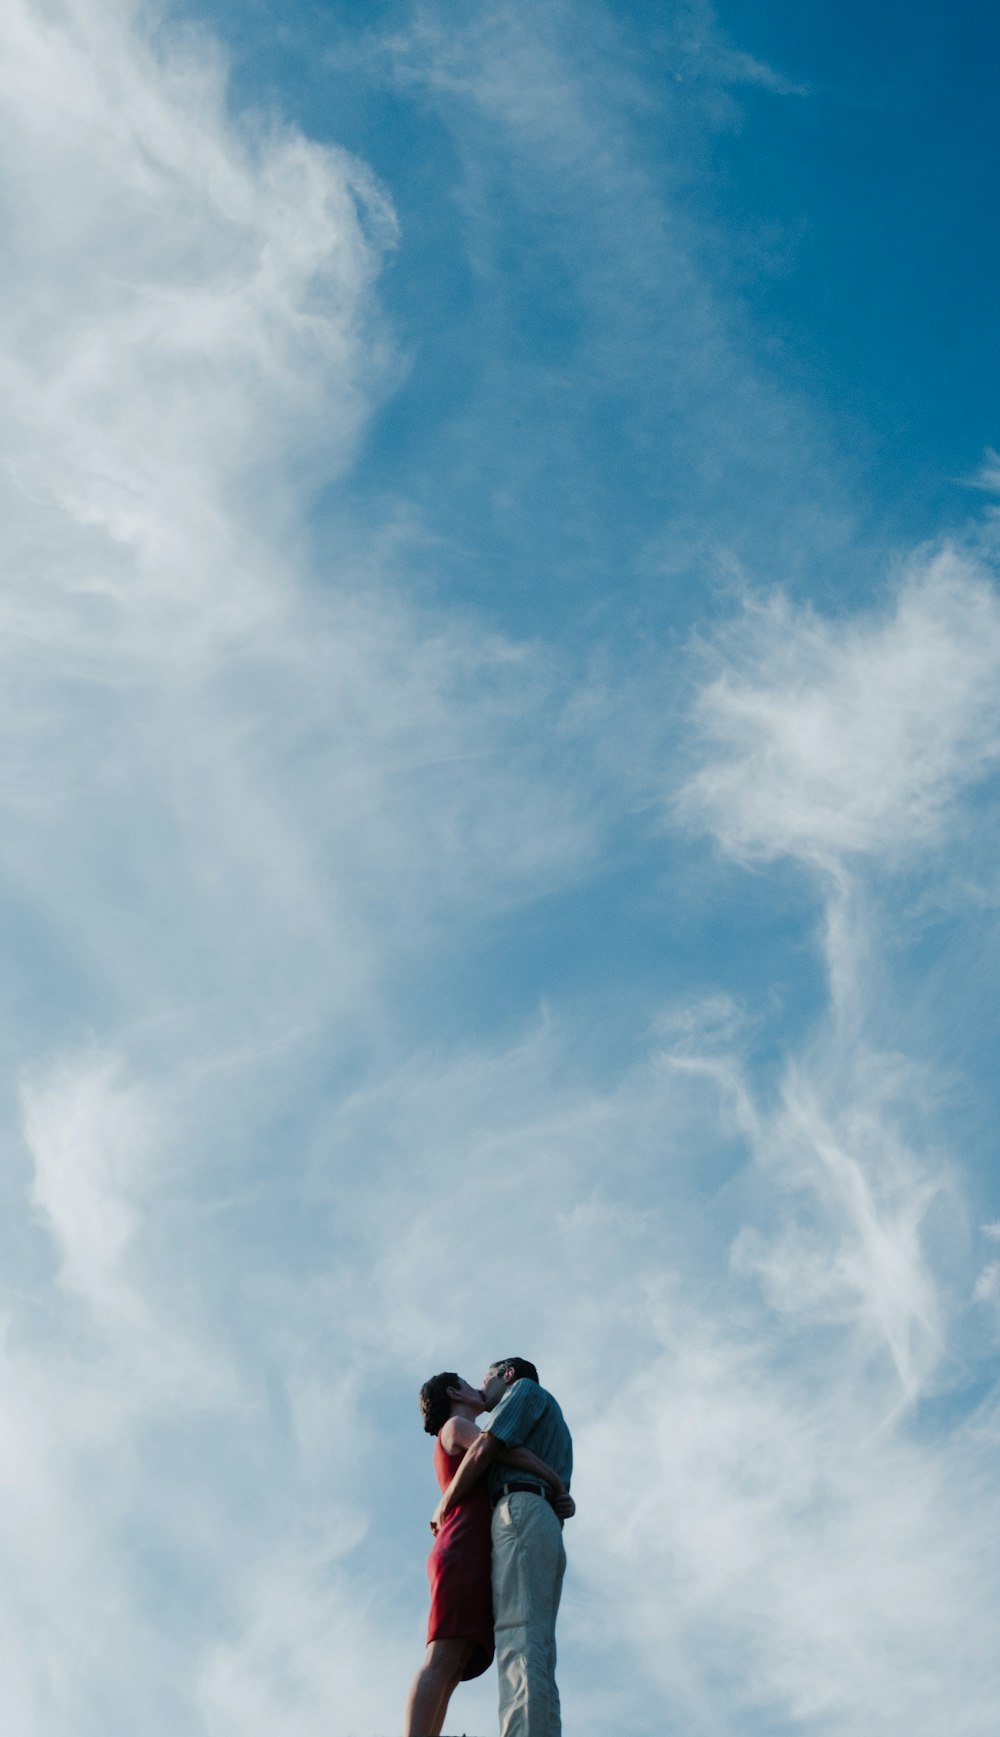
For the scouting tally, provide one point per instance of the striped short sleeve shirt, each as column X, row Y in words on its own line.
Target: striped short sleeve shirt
column 528, row 1416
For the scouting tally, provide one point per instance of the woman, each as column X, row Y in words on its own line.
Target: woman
column 460, row 1628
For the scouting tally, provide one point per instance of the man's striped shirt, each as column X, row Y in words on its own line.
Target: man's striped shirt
column 528, row 1416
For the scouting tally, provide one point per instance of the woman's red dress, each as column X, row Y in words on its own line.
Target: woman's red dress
column 458, row 1569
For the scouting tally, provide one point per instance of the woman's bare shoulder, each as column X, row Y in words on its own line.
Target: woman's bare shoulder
column 457, row 1435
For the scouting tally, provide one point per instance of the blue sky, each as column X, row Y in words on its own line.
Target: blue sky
column 502, row 670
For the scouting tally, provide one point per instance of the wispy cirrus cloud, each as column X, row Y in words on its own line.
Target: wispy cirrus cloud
column 548, row 112
column 240, row 786
column 987, row 477
column 849, row 745
column 86, row 1139
column 832, row 741
column 257, row 1191
column 186, row 359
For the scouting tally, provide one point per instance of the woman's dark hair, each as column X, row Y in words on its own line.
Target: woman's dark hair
column 434, row 1402
column 521, row 1367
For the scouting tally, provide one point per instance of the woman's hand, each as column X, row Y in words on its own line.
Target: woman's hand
column 439, row 1516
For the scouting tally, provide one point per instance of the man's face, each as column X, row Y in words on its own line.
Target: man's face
column 494, row 1388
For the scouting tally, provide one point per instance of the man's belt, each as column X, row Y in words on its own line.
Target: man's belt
column 508, row 1489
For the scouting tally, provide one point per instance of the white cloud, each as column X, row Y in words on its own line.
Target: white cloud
column 734, row 66
column 236, row 788
column 190, row 343
column 987, row 477
column 801, row 1508
column 304, row 1649
column 836, row 740
column 812, row 1563
column 766, row 1528
column 860, row 1261
column 238, row 793
column 187, row 331
column 744, row 1464
column 214, row 269
column 87, row 1136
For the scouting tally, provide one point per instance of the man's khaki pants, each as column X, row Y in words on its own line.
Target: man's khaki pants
column 528, row 1566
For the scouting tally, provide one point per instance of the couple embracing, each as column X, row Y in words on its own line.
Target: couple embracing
column 497, row 1563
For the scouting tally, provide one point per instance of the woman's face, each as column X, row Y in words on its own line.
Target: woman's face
column 467, row 1394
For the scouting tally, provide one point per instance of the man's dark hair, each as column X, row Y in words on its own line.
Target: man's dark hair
column 434, row 1402
column 522, row 1369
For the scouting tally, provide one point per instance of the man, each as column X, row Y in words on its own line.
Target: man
column 528, row 1556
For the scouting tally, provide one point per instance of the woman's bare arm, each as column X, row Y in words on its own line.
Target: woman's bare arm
column 458, row 1435
column 523, row 1460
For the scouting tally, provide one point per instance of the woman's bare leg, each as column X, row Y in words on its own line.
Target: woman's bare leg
column 433, row 1686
